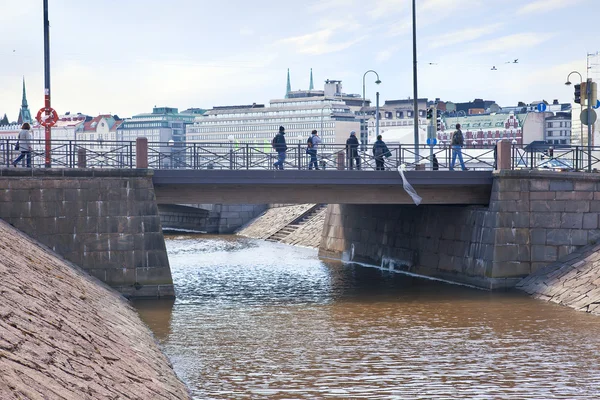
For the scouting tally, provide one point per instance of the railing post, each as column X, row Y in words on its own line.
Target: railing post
column 81, row 158
column 247, row 156
column 503, row 159
column 341, row 161
column 141, row 153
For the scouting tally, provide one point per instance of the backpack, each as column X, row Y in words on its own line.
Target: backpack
column 274, row 141
column 309, row 142
column 455, row 138
column 379, row 151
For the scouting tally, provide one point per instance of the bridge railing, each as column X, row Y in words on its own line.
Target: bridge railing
column 255, row 156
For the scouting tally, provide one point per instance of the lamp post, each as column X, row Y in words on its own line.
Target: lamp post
column 230, row 138
column 568, row 83
column 415, row 95
column 322, row 108
column 170, row 145
column 377, row 114
column 378, row 81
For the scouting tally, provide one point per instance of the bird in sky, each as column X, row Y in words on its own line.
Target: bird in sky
column 494, row 68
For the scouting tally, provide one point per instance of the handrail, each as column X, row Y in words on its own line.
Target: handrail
column 254, row 156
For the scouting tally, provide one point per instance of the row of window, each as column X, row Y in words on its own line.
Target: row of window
column 559, row 133
column 559, row 124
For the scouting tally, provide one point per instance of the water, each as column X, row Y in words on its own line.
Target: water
column 260, row 320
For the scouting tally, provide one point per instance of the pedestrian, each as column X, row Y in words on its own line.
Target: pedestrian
column 352, row 151
column 24, row 144
column 435, row 163
column 380, row 150
column 280, row 147
column 313, row 143
column 458, row 141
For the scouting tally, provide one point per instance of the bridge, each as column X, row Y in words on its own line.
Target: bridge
column 329, row 187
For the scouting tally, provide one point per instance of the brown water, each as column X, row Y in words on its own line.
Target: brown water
column 260, row 320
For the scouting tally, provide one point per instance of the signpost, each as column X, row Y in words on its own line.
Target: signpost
column 541, row 107
column 588, row 117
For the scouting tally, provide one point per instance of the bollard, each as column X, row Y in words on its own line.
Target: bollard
column 141, row 153
column 503, row 150
column 81, row 158
column 341, row 161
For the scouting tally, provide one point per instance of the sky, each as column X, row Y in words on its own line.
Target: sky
column 126, row 56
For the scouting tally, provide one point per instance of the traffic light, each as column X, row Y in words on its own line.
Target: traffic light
column 438, row 119
column 578, row 94
column 429, row 113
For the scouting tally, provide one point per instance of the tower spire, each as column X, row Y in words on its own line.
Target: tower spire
column 24, row 113
column 289, row 85
column 311, row 86
column 24, row 101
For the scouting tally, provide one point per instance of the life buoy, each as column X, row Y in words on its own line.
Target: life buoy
column 47, row 120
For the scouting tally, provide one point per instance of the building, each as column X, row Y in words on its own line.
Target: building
column 66, row 128
column 558, row 129
column 299, row 112
column 162, row 125
column 24, row 113
column 483, row 130
column 396, row 121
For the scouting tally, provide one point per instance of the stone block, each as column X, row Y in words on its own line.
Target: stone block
column 512, row 220
column 574, row 195
column 540, row 253
column 512, row 236
column 512, row 185
column 120, row 276
column 593, row 236
column 545, row 220
column 571, row 221
column 577, row 206
column 590, row 221
column 584, row 186
column 536, row 185
column 565, row 250
column 510, row 269
column 537, row 236
column 542, row 196
column 562, row 186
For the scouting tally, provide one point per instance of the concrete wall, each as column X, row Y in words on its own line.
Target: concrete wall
column 534, row 218
column 105, row 221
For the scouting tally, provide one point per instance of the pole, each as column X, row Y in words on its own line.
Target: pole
column 434, row 131
column 588, row 89
column 47, row 81
column 415, row 95
column 377, row 115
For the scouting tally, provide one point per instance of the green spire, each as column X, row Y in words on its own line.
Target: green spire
column 311, row 86
column 24, row 113
column 24, row 101
column 289, row 85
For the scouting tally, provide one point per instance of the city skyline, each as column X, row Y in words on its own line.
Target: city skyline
column 124, row 59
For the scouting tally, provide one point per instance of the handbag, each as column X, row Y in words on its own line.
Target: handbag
column 17, row 145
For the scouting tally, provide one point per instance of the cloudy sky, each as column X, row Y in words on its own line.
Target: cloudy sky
column 125, row 56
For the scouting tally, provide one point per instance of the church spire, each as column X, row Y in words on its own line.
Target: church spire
column 24, row 113
column 289, row 85
column 24, row 101
column 311, row 86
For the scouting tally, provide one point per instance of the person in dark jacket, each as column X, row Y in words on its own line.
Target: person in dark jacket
column 352, row 151
column 380, row 150
column 458, row 141
column 280, row 147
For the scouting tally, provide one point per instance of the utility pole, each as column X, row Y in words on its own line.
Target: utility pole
column 588, row 89
column 377, row 114
column 415, row 95
column 47, row 83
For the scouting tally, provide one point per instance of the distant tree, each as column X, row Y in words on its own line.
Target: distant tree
column 4, row 121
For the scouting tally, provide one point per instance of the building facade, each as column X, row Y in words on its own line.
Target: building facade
column 396, row 121
column 558, row 129
column 160, row 126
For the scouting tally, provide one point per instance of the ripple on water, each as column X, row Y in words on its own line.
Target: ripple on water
column 261, row 320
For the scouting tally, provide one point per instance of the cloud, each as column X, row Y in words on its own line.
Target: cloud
column 464, row 35
column 510, row 42
column 319, row 42
column 246, row 32
column 545, row 6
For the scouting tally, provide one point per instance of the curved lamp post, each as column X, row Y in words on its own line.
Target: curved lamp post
column 378, row 81
column 589, row 138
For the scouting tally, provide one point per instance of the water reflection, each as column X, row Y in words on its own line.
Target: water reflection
column 265, row 320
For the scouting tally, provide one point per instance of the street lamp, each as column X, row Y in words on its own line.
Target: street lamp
column 415, row 94
column 589, row 138
column 230, row 138
column 377, row 82
column 322, row 108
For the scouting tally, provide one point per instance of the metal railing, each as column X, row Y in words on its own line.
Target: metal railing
column 261, row 156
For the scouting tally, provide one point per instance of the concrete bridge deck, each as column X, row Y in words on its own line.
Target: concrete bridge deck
column 329, row 186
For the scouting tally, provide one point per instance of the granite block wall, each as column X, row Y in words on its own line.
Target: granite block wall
column 105, row 221
column 534, row 218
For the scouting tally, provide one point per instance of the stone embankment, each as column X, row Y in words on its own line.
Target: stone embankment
column 276, row 218
column 574, row 281
column 65, row 335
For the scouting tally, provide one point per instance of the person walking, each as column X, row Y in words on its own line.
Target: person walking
column 280, row 147
column 458, row 141
column 313, row 143
column 380, row 150
column 352, row 151
column 24, row 144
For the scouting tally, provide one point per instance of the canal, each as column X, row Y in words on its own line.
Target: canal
column 261, row 320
